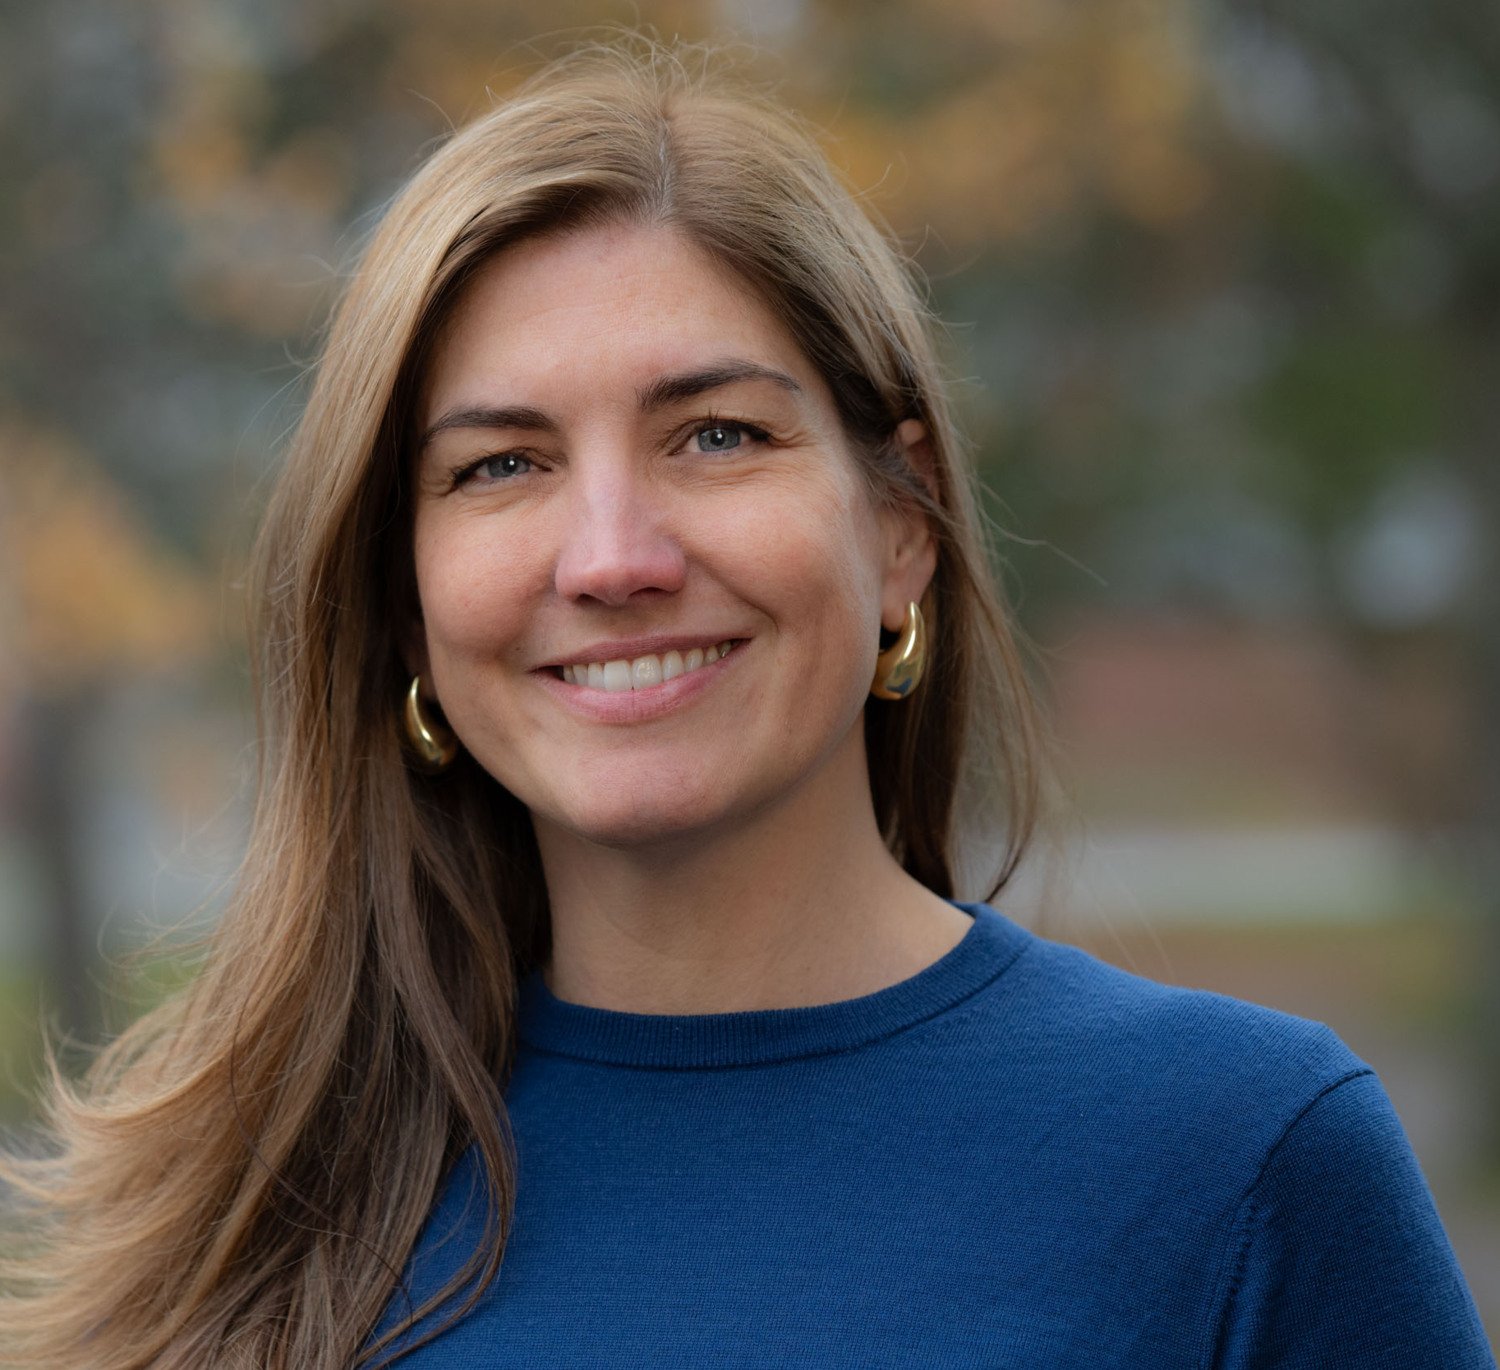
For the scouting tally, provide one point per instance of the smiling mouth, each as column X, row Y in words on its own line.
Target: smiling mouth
column 643, row 672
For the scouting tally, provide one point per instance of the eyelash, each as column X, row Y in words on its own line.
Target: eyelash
column 461, row 474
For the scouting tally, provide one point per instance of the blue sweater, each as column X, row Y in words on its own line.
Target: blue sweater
column 1020, row 1157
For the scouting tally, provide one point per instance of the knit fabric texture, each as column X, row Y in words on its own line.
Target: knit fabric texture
column 1019, row 1157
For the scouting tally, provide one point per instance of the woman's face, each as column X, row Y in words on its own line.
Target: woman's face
column 627, row 464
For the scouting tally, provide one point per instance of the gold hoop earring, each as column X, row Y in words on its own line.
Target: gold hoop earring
column 435, row 746
column 899, row 667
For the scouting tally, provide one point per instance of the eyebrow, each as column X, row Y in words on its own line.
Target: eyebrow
column 658, row 394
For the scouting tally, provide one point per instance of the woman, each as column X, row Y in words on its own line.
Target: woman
column 594, row 994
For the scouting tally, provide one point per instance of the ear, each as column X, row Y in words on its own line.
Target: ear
column 911, row 550
column 916, row 447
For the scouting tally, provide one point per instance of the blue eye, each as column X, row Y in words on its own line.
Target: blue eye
column 506, row 464
column 719, row 437
column 492, row 470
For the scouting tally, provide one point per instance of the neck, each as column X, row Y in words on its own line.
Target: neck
column 798, row 904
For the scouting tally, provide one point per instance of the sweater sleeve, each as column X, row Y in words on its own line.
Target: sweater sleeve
column 1342, row 1260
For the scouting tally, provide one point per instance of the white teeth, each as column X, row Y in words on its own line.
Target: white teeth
column 644, row 671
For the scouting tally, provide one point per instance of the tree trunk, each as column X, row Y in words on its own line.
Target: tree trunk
column 53, row 796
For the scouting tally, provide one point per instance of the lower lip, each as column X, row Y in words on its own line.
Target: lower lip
column 639, row 706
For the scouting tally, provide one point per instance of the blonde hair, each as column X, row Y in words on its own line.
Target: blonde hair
column 242, row 1174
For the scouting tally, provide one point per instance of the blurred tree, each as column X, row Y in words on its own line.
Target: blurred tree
column 90, row 597
column 1418, row 95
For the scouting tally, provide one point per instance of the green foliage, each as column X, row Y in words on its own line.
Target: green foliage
column 1343, row 410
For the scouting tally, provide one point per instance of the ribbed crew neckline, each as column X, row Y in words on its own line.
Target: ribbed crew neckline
column 673, row 1041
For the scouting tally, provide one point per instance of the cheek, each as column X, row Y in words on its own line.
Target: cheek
column 812, row 559
column 470, row 587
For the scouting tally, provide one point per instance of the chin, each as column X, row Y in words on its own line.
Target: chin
column 642, row 826
column 636, row 819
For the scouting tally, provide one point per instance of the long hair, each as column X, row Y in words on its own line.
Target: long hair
column 241, row 1175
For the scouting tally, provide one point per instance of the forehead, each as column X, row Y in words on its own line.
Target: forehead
column 602, row 307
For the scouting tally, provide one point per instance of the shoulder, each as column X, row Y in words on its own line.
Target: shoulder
column 1084, row 1003
column 1339, row 1255
column 1152, row 1054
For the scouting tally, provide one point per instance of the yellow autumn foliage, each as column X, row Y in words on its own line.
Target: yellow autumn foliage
column 86, row 591
column 1077, row 105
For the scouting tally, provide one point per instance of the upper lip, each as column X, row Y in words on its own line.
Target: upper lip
column 628, row 648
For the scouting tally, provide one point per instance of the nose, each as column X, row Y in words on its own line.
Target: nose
column 616, row 542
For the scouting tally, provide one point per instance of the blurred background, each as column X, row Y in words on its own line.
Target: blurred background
column 1222, row 287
